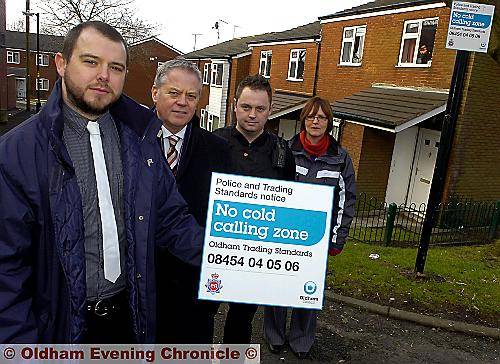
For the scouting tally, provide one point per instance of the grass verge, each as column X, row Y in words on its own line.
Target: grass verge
column 460, row 283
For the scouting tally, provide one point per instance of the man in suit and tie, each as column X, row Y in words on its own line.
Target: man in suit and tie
column 193, row 154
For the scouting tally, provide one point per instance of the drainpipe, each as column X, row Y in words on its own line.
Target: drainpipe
column 316, row 69
column 228, row 105
column 27, row 78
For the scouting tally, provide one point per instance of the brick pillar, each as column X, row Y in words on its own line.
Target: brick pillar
column 3, row 65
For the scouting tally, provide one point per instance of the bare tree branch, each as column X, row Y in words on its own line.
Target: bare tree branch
column 17, row 25
column 59, row 16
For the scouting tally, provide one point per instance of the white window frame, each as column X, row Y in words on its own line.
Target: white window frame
column 335, row 128
column 213, row 121
column 210, row 121
column 203, row 118
column 206, row 73
column 42, row 82
column 11, row 57
column 355, row 30
column 216, row 66
column 415, row 36
column 264, row 57
column 44, row 60
column 296, row 60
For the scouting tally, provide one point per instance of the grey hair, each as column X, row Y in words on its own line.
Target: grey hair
column 177, row 63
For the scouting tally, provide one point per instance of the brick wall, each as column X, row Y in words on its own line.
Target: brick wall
column 380, row 56
column 239, row 70
column 48, row 72
column 351, row 139
column 371, row 149
column 205, row 89
column 375, row 162
column 473, row 169
column 143, row 62
column 279, row 66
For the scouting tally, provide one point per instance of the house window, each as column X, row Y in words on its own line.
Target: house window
column 265, row 63
column 13, row 57
column 42, row 84
column 417, row 43
column 42, row 60
column 352, row 45
column 210, row 121
column 217, row 70
column 206, row 74
column 336, row 128
column 203, row 113
column 215, row 122
column 296, row 65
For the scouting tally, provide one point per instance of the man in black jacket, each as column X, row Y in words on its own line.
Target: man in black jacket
column 258, row 153
column 193, row 154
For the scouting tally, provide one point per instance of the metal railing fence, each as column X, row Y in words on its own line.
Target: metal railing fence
column 459, row 221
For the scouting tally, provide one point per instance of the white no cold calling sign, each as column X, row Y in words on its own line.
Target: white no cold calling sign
column 470, row 26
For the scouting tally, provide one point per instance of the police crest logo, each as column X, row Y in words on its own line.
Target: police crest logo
column 214, row 284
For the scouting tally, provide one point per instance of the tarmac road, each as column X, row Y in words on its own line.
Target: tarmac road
column 350, row 335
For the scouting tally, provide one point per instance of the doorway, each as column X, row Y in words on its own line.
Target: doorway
column 424, row 163
column 21, row 88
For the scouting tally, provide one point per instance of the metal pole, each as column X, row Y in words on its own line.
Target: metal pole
column 495, row 220
column 3, row 67
column 28, row 88
column 445, row 144
column 389, row 226
column 195, row 38
column 38, row 103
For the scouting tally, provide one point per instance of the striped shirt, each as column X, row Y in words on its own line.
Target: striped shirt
column 77, row 140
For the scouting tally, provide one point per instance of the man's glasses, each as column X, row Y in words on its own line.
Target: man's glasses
column 317, row 117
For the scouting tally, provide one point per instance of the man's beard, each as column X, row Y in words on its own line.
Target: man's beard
column 76, row 97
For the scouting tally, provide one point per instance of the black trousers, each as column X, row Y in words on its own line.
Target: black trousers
column 113, row 328
column 238, row 327
column 181, row 317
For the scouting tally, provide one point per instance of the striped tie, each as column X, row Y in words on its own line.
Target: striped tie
column 172, row 153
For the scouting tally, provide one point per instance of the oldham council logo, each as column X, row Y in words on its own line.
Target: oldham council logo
column 310, row 287
column 214, row 284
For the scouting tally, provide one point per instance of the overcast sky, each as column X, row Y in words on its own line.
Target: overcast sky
column 178, row 20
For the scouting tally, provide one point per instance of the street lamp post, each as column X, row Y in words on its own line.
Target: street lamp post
column 27, row 84
column 38, row 103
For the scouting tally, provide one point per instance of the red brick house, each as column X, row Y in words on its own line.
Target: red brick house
column 290, row 60
column 145, row 57
column 389, row 97
column 15, row 45
column 473, row 168
column 224, row 65
column 385, row 69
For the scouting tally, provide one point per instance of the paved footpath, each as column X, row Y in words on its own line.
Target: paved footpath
column 352, row 335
